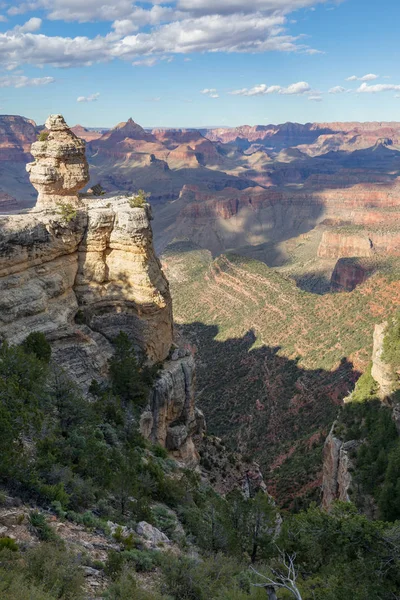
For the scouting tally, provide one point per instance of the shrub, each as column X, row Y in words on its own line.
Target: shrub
column 43, row 136
column 57, row 570
column 67, row 211
column 37, row 344
column 126, row 588
column 42, row 528
column 140, row 199
column 8, row 544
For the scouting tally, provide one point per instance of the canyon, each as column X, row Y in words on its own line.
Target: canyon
column 293, row 231
column 80, row 270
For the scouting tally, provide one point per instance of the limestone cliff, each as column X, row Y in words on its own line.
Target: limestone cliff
column 100, row 266
column 81, row 269
column 337, row 478
column 381, row 371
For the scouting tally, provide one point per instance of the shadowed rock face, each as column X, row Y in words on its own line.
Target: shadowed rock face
column 60, row 168
column 337, row 470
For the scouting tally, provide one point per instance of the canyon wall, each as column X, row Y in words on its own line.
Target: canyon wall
column 80, row 269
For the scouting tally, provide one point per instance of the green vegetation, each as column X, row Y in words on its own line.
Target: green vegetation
column 43, row 136
column 391, row 347
column 366, row 387
column 89, row 464
column 272, row 357
column 67, row 211
column 140, row 200
column 37, row 344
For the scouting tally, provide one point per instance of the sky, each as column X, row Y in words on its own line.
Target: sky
column 200, row 63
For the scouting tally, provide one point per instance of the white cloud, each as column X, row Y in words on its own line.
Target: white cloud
column 239, row 6
column 145, row 62
column 91, row 98
column 210, row 92
column 76, row 10
column 368, row 77
column 18, row 48
column 379, row 87
column 20, row 81
column 3, row 19
column 315, row 98
column 34, row 24
column 139, row 31
column 299, row 88
column 338, row 89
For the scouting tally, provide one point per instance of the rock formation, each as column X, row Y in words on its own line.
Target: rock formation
column 381, row 371
column 336, row 472
column 171, row 418
column 60, row 169
column 349, row 273
column 84, row 273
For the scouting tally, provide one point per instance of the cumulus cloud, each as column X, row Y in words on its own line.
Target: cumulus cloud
column 152, row 28
column 368, row 77
column 379, row 87
column 298, row 89
column 210, row 92
column 20, row 81
column 18, row 48
column 33, row 24
column 338, row 89
column 91, row 98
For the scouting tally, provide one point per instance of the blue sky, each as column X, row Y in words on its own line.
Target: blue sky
column 200, row 62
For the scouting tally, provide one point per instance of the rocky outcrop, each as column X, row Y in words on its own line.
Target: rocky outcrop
column 336, row 471
column 171, row 419
column 364, row 243
column 100, row 266
column 381, row 371
column 88, row 258
column 84, row 274
column 60, row 169
column 349, row 273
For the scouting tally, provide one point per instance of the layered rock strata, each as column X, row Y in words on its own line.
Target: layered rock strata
column 99, row 266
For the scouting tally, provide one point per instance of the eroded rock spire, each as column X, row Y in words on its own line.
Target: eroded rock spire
column 60, row 168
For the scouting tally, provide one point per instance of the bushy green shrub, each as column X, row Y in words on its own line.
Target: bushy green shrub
column 366, row 387
column 126, row 588
column 37, row 344
column 42, row 528
column 140, row 199
column 67, row 211
column 57, row 570
column 7, row 543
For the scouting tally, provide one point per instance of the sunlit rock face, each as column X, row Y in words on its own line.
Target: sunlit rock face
column 60, row 168
column 94, row 261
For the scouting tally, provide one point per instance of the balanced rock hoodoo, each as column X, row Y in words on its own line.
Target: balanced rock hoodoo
column 60, row 168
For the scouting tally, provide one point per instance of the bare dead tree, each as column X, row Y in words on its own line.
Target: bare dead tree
column 283, row 578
